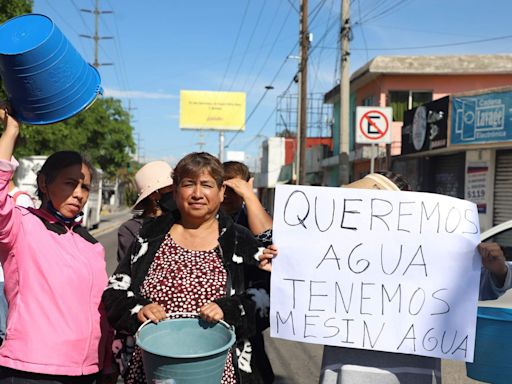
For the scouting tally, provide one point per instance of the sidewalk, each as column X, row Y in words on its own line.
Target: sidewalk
column 112, row 220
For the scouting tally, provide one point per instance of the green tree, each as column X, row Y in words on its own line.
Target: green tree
column 8, row 10
column 12, row 8
column 102, row 132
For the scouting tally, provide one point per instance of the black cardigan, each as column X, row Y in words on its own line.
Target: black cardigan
column 237, row 248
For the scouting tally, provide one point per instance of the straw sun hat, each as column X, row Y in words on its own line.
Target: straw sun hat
column 374, row 181
column 150, row 178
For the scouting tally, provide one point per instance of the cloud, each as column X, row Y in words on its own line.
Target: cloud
column 109, row 92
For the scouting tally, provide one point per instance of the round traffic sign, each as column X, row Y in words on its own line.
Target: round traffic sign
column 374, row 125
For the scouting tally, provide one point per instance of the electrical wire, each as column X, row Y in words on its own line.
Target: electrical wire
column 460, row 43
column 393, row 7
column 263, row 43
column 293, row 6
column 119, row 49
column 244, row 55
column 362, row 32
column 242, row 22
column 278, row 35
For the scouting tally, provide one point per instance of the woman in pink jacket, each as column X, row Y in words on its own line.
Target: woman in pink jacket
column 54, row 274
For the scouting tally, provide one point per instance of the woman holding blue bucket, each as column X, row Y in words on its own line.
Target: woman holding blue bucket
column 191, row 260
column 54, row 274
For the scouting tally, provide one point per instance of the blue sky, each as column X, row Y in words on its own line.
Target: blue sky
column 161, row 47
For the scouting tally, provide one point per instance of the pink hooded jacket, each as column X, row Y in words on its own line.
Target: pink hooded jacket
column 53, row 284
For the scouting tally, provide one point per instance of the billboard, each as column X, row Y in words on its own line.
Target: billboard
column 483, row 117
column 425, row 127
column 212, row 110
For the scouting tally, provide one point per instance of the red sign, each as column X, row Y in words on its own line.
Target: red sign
column 374, row 125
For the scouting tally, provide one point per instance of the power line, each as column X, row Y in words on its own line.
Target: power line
column 293, row 6
column 387, row 11
column 432, row 45
column 268, row 88
column 261, row 129
column 248, row 43
column 319, row 56
column 362, row 32
column 242, row 22
column 270, row 53
column 119, row 48
column 263, row 43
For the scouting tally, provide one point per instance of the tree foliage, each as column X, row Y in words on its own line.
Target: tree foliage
column 103, row 133
column 12, row 8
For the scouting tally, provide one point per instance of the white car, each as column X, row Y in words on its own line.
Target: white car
column 501, row 234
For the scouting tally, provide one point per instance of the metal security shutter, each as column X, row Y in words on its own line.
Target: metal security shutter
column 448, row 175
column 503, row 187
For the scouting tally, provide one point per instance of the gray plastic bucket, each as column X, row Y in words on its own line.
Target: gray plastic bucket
column 45, row 78
column 492, row 362
column 184, row 351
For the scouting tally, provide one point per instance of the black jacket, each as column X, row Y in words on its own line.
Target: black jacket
column 242, row 308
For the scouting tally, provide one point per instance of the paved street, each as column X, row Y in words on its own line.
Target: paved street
column 293, row 363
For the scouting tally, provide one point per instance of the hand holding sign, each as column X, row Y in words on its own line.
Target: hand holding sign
column 493, row 259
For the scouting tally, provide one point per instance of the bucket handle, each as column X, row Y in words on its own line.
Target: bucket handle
column 230, row 327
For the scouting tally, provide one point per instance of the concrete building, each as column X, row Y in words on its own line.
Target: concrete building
column 404, row 82
column 468, row 167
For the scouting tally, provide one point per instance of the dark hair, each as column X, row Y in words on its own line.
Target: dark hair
column 59, row 161
column 193, row 164
column 234, row 169
column 399, row 180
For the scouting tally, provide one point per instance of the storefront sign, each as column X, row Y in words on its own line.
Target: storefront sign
column 425, row 127
column 484, row 118
column 376, row 270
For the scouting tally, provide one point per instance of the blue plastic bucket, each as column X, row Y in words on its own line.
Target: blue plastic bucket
column 45, row 78
column 184, row 351
column 493, row 346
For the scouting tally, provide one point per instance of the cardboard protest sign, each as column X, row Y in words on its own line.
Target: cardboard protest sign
column 378, row 270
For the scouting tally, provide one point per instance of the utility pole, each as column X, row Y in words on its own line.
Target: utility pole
column 302, row 125
column 221, row 146
column 345, row 37
column 201, row 143
column 96, row 36
column 139, row 146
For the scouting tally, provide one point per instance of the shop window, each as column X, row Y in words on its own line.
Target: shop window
column 369, row 101
column 401, row 101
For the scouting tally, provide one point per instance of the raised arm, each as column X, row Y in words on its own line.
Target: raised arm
column 9, row 217
column 9, row 135
column 259, row 220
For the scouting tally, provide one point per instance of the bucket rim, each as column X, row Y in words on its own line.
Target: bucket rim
column 187, row 356
column 38, row 45
column 481, row 313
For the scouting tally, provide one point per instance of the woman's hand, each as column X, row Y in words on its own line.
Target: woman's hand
column 8, row 122
column 266, row 258
column 154, row 312
column 11, row 131
column 211, row 312
column 494, row 260
column 242, row 188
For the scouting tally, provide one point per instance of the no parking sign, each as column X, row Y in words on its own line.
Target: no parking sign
column 373, row 125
